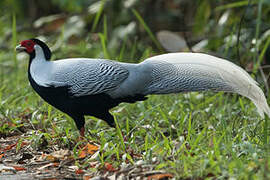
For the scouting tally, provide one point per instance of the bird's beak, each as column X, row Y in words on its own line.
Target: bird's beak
column 20, row 48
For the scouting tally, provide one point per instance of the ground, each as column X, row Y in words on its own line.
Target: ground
column 186, row 136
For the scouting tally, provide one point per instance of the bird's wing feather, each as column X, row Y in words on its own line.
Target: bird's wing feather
column 88, row 77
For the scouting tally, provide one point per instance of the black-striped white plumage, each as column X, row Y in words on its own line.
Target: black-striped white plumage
column 83, row 86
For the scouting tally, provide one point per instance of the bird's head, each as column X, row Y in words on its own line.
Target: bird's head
column 33, row 47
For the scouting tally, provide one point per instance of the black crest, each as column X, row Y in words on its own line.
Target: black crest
column 46, row 49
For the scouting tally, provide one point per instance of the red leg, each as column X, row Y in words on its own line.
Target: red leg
column 82, row 130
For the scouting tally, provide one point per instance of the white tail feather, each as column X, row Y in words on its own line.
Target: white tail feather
column 184, row 72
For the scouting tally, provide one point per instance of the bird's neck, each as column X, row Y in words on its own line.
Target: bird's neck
column 37, row 62
column 39, row 69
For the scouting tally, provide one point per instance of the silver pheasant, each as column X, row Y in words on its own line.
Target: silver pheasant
column 82, row 86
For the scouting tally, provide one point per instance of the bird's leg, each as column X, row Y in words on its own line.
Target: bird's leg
column 81, row 137
column 82, row 130
column 79, row 121
column 110, row 122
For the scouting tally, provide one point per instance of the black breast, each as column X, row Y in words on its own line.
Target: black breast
column 61, row 98
column 97, row 105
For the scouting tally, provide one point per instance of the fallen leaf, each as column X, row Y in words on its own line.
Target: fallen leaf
column 82, row 154
column 87, row 177
column 160, row 176
column 24, row 143
column 89, row 149
column 9, row 147
column 79, row 171
column 109, row 167
column 50, row 158
column 18, row 168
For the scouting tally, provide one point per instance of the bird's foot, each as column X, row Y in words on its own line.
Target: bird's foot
column 81, row 137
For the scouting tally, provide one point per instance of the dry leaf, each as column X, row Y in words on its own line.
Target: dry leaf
column 9, row 147
column 24, row 143
column 79, row 171
column 82, row 154
column 50, row 158
column 160, row 176
column 109, row 167
column 18, row 168
column 87, row 177
column 89, row 149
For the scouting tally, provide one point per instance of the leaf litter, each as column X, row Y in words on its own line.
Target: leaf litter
column 19, row 159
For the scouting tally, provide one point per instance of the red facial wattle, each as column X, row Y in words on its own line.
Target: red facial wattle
column 29, row 45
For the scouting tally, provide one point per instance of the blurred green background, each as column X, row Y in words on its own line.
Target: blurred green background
column 212, row 24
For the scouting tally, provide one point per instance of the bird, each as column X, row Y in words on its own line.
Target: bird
column 87, row 86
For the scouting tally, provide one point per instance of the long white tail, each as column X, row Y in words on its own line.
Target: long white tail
column 185, row 72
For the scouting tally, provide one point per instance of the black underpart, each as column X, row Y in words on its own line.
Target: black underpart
column 76, row 107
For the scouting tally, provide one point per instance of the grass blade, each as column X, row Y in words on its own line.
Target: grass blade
column 104, row 47
column 119, row 133
column 14, row 39
column 258, row 25
column 133, row 50
column 265, row 131
column 97, row 17
column 234, row 5
column 147, row 29
column 105, row 28
column 123, row 48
